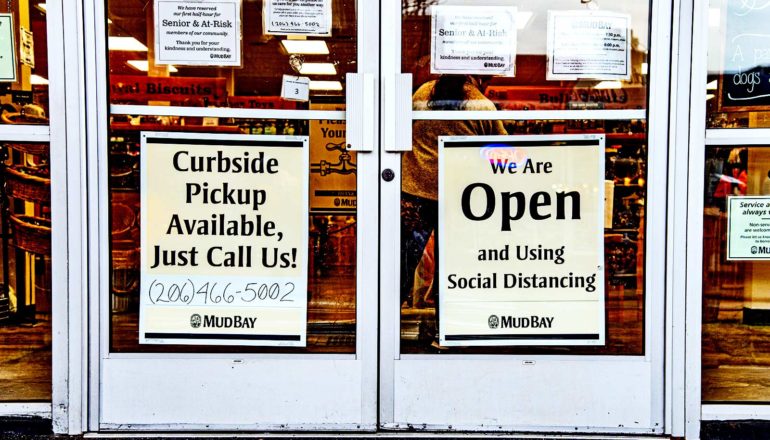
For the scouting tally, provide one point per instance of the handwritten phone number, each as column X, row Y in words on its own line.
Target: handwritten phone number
column 296, row 24
column 189, row 293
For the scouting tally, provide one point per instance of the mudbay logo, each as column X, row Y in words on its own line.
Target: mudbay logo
column 493, row 321
column 526, row 321
column 213, row 321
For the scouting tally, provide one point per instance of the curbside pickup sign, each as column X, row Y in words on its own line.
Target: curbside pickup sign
column 224, row 239
column 521, row 240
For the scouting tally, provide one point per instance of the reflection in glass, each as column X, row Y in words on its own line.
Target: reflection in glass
column 736, row 305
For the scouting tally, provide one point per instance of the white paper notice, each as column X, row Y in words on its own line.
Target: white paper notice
column 302, row 17
column 473, row 40
column 224, row 239
column 588, row 45
column 199, row 33
column 521, row 240
column 7, row 49
column 295, row 88
column 748, row 228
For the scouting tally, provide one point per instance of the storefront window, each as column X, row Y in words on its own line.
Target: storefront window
column 525, row 79
column 736, row 307
column 737, row 87
column 625, row 180
column 245, row 65
column 736, row 184
column 25, row 306
column 25, row 208
column 24, row 66
column 331, row 307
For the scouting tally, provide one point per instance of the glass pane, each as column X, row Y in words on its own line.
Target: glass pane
column 624, row 232
column 532, row 86
column 25, row 245
column 331, row 326
column 24, row 66
column 136, row 77
column 736, row 305
column 738, row 60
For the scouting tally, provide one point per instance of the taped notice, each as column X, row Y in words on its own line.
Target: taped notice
column 305, row 17
column 473, row 40
column 589, row 45
column 201, row 33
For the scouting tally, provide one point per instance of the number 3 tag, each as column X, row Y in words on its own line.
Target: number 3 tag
column 295, row 88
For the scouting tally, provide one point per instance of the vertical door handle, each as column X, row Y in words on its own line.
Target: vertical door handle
column 397, row 112
column 360, row 111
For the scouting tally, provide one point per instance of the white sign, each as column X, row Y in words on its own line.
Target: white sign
column 748, row 228
column 303, row 17
column 521, row 240
column 26, row 48
column 7, row 49
column 473, row 40
column 295, row 88
column 224, row 239
column 198, row 33
column 589, row 45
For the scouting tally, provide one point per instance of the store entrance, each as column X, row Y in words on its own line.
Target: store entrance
column 324, row 217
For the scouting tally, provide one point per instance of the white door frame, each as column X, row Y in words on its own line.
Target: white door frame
column 61, row 135
column 396, row 369
column 101, row 415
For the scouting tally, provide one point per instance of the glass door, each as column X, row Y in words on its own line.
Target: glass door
column 237, row 243
column 523, row 227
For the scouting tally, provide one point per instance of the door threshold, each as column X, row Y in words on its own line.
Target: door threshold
column 365, row 435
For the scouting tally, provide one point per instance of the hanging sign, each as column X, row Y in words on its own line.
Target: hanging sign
column 7, row 49
column 303, row 17
column 589, row 45
column 745, row 82
column 473, row 40
column 295, row 88
column 521, row 240
column 332, row 167
column 27, row 48
column 748, row 228
column 198, row 33
column 224, row 239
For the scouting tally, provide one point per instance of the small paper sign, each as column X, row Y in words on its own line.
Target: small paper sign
column 295, row 88
column 307, row 17
column 201, row 33
column 7, row 50
column 589, row 45
column 27, row 48
column 473, row 40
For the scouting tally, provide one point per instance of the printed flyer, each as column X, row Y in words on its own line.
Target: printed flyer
column 589, row 45
column 298, row 17
column 473, row 40
column 748, row 228
column 521, row 240
column 200, row 33
column 224, row 239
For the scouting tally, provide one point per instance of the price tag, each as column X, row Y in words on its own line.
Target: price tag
column 295, row 88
